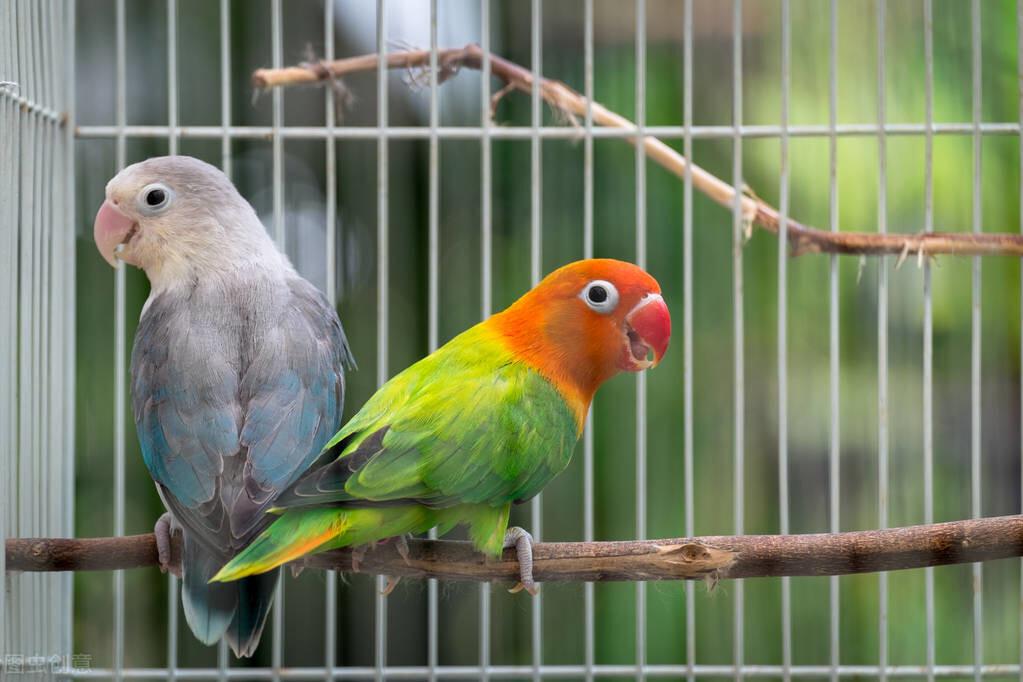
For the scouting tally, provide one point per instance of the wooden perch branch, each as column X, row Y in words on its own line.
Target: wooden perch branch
column 802, row 238
column 723, row 557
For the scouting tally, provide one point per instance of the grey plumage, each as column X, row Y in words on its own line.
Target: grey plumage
column 237, row 378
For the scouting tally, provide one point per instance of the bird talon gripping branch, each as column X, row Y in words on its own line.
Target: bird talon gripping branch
column 522, row 541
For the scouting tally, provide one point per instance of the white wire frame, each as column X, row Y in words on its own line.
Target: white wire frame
column 535, row 134
column 37, row 274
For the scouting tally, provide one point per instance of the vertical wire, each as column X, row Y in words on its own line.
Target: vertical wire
column 739, row 387
column 380, row 654
column 433, row 304
column 120, row 351
column 486, row 256
column 172, row 150
column 32, row 389
column 7, row 402
column 589, row 596
column 225, row 164
column 783, row 386
column 641, row 392
column 928, row 350
column 535, row 250
column 975, row 346
column 225, row 85
column 1019, row 72
column 276, row 121
column 687, row 323
column 70, row 272
column 330, row 174
column 68, row 334
column 834, row 466
column 882, row 339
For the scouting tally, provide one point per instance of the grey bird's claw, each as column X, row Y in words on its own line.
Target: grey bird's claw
column 522, row 541
column 164, row 530
column 358, row 554
column 392, row 582
column 401, row 544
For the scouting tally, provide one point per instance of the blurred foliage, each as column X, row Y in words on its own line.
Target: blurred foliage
column 859, row 197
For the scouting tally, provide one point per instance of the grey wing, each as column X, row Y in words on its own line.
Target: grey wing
column 230, row 411
column 293, row 393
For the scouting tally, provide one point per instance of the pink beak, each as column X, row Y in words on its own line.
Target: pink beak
column 110, row 229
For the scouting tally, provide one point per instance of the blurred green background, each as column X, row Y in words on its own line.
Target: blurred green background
column 198, row 65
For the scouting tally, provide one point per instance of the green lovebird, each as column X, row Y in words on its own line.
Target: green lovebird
column 484, row 422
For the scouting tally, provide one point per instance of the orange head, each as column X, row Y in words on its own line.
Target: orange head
column 587, row 321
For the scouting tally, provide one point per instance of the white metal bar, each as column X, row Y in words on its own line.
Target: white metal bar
column 380, row 648
column 227, row 167
column 739, row 385
column 330, row 175
column 1019, row 72
column 225, row 86
column 172, row 150
column 120, row 349
column 277, row 156
column 560, row 671
column 928, row 331
column 536, row 269
column 69, row 268
column 544, row 132
column 8, row 314
column 486, row 268
column 687, row 325
column 641, row 391
column 783, row 283
column 834, row 450
column 882, row 338
column 589, row 595
column 433, row 301
column 976, row 426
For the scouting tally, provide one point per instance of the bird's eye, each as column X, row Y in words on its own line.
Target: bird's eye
column 155, row 197
column 600, row 296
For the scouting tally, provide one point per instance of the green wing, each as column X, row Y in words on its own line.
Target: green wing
column 466, row 425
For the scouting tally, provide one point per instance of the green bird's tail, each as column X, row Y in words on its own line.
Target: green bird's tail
column 306, row 531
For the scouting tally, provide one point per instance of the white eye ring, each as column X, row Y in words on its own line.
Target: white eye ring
column 154, row 198
column 600, row 295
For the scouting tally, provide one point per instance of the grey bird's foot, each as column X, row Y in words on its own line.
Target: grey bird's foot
column 401, row 544
column 392, row 582
column 522, row 541
column 358, row 554
column 164, row 530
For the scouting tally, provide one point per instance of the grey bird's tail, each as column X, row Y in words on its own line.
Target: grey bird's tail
column 236, row 611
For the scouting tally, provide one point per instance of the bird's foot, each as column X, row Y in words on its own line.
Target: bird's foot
column 401, row 544
column 522, row 541
column 296, row 568
column 164, row 530
column 392, row 582
column 358, row 554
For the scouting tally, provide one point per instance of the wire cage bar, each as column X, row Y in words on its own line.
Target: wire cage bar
column 37, row 318
column 38, row 134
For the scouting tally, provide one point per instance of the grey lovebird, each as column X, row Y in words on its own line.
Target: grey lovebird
column 237, row 375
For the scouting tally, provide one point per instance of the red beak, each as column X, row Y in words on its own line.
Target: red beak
column 110, row 229
column 649, row 329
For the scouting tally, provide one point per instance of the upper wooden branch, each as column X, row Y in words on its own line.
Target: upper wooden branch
column 802, row 238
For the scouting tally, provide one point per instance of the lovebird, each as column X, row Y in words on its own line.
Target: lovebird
column 483, row 423
column 237, row 376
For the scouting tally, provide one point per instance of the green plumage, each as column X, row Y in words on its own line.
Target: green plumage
column 455, row 438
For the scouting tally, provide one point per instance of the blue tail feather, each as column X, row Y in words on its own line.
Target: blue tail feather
column 236, row 611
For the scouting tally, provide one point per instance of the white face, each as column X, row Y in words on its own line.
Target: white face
column 171, row 211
